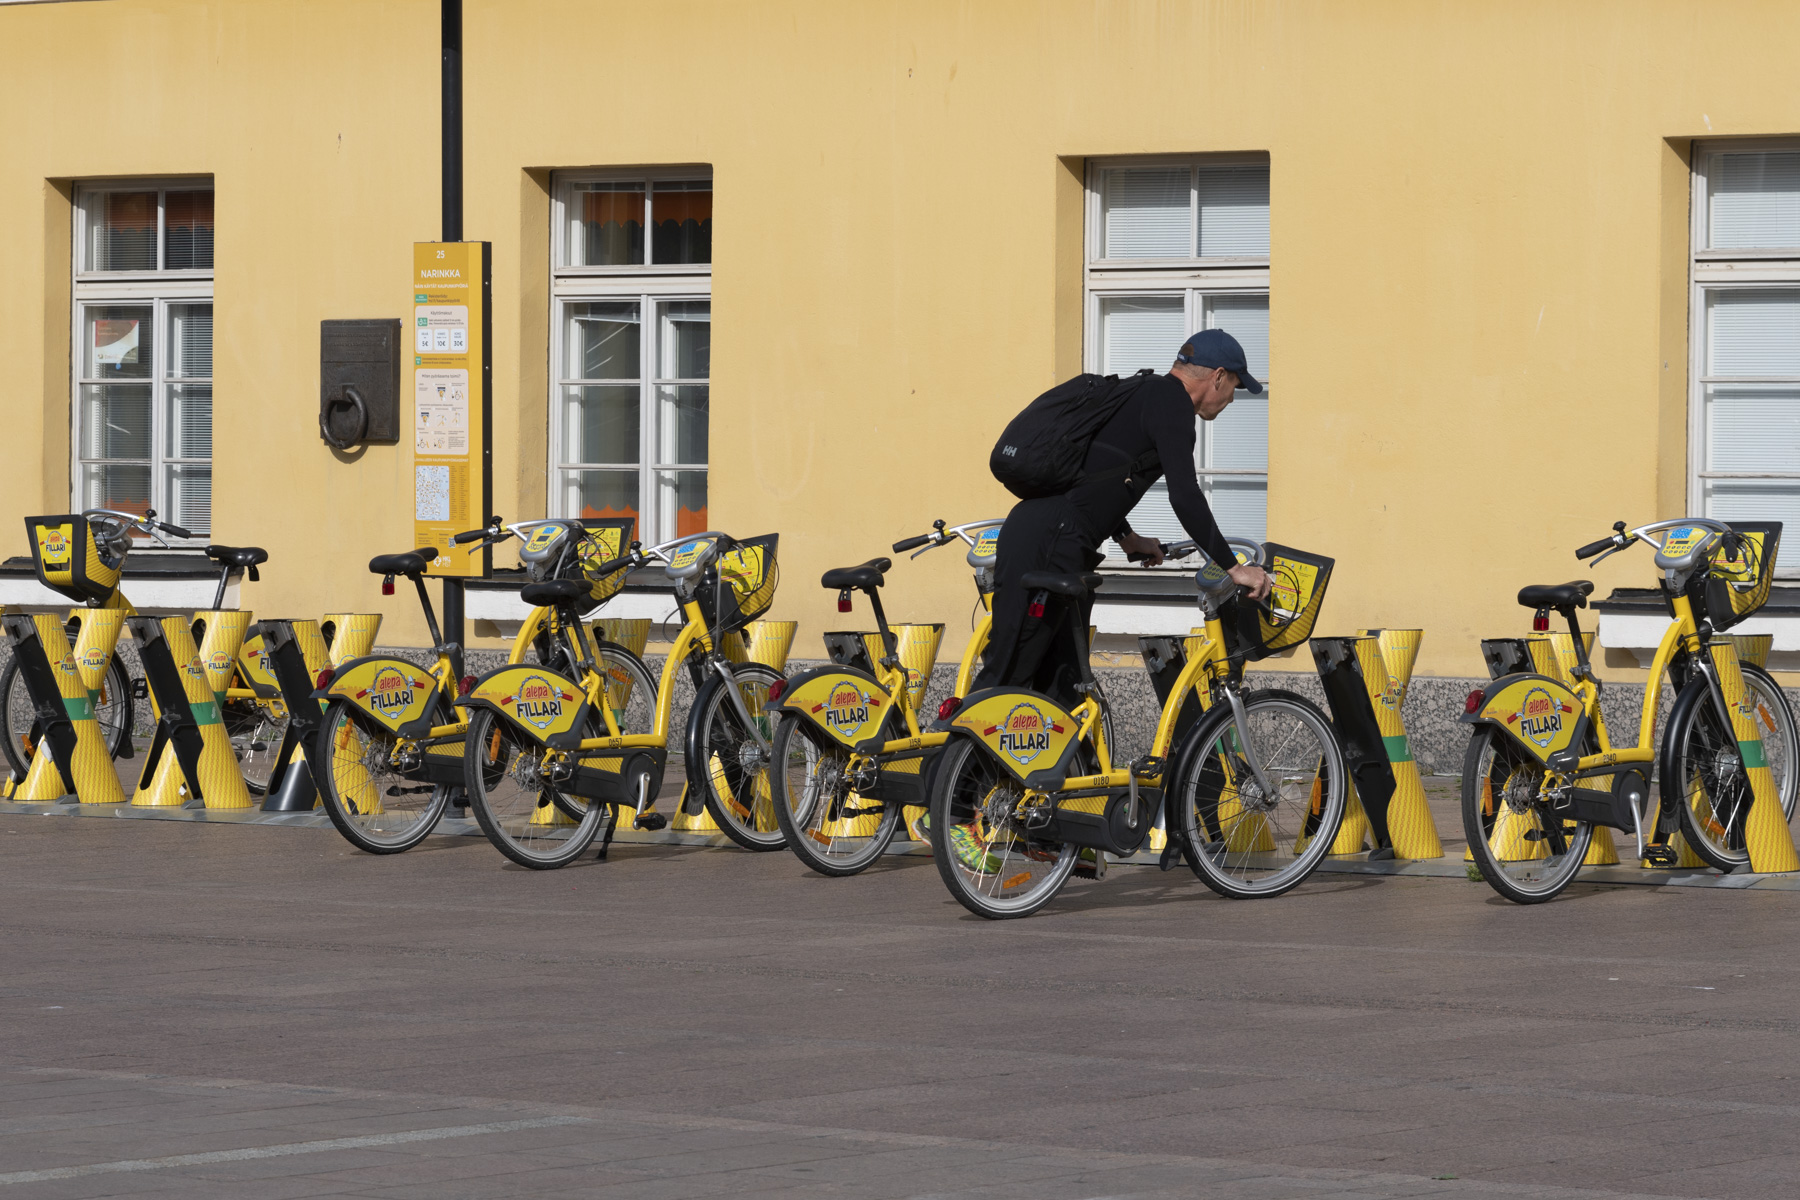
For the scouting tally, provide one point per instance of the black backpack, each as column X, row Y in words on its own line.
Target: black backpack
column 1042, row 449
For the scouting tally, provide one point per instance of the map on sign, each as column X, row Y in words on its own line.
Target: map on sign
column 431, row 493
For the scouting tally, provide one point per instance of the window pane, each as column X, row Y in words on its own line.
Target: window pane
column 1234, row 210
column 1147, row 212
column 190, row 421
column 190, row 341
column 115, row 420
column 1752, row 427
column 1754, row 200
column 188, row 232
column 1759, row 500
column 117, row 341
column 1245, row 318
column 682, row 417
column 606, row 224
column 686, row 351
column 602, row 341
column 1241, row 507
column 189, row 496
column 1238, row 438
column 683, row 216
column 1755, row 331
column 600, row 425
column 681, row 500
column 1141, row 331
column 108, row 485
column 122, row 231
column 609, row 494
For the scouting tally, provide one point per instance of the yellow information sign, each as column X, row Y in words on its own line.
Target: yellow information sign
column 452, row 369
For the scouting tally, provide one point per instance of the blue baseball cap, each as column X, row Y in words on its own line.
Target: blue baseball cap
column 1216, row 348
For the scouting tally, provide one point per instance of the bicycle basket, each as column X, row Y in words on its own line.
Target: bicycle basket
column 606, row 539
column 70, row 559
column 747, row 575
column 1737, row 587
column 1299, row 580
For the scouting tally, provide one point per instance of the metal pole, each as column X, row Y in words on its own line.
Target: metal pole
column 453, row 232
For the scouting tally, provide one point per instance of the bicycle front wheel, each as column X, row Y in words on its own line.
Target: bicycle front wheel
column 1243, row 839
column 112, row 710
column 1703, row 769
column 1526, row 851
column 256, row 729
column 378, row 806
column 986, row 856
column 527, row 813
column 728, row 759
column 828, row 826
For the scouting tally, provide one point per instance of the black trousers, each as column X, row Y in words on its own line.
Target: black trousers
column 1038, row 652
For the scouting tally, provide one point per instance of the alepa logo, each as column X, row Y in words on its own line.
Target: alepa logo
column 218, row 661
column 1024, row 734
column 391, row 694
column 538, row 702
column 54, row 545
column 846, row 709
column 1540, row 717
column 94, row 659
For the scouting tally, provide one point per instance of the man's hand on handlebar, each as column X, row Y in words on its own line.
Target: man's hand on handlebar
column 1138, row 548
column 1253, row 578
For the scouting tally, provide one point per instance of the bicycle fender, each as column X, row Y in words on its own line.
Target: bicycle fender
column 1541, row 714
column 1032, row 736
column 394, row 693
column 842, row 701
column 253, row 665
column 541, row 703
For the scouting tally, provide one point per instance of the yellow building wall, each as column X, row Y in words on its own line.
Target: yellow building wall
column 1479, row 224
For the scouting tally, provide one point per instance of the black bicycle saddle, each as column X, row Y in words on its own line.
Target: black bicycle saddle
column 553, row 591
column 412, row 563
column 869, row 575
column 1072, row 586
column 237, row 556
column 1556, row 595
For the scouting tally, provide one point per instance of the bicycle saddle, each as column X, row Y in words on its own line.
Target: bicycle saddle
column 1556, row 595
column 553, row 591
column 866, row 576
column 1072, row 586
column 237, row 556
column 413, row 562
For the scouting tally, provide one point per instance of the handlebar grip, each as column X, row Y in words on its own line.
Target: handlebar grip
column 1134, row 557
column 1593, row 548
column 607, row 568
column 173, row 530
column 1732, row 544
column 911, row 543
column 468, row 535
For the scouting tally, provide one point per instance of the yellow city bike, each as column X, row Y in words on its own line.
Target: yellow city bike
column 390, row 746
column 558, row 752
column 1725, row 762
column 849, row 753
column 1252, row 796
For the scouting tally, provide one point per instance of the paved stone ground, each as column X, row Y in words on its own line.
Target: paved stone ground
column 257, row 1011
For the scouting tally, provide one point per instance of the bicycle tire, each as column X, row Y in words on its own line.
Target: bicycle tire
column 1702, row 765
column 1501, row 841
column 814, row 824
column 348, row 762
column 256, row 735
column 728, row 762
column 516, row 807
column 1243, row 845
column 972, row 792
column 113, row 710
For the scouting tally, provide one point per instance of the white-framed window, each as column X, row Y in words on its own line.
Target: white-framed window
column 1744, row 409
column 143, row 332
column 631, row 347
column 1175, row 245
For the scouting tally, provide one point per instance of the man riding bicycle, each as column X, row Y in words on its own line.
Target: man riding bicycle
column 1150, row 437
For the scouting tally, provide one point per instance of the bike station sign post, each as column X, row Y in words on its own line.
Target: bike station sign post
column 452, row 375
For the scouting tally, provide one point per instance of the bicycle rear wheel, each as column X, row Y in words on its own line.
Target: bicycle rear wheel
column 1243, row 841
column 729, row 761
column 1522, row 848
column 529, row 816
column 828, row 826
column 377, row 806
column 992, row 865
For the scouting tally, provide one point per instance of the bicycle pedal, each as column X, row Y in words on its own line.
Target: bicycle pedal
column 651, row 821
column 1147, row 767
column 1661, row 854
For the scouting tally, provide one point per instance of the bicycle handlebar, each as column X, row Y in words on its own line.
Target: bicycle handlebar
column 912, row 543
column 469, row 535
column 1593, row 548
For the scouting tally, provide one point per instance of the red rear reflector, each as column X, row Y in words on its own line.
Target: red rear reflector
column 844, row 600
column 777, row 690
column 1540, row 621
column 1036, row 609
column 324, row 680
column 1473, row 703
column 466, row 686
column 948, row 708
column 387, row 585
